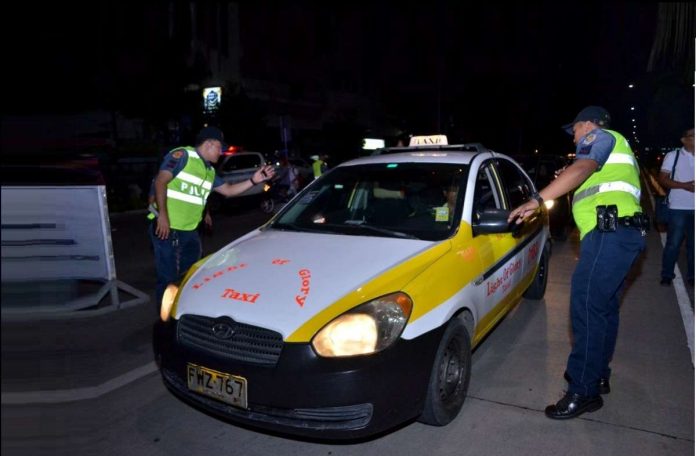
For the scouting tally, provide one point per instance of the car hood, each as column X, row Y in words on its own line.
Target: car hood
column 279, row 279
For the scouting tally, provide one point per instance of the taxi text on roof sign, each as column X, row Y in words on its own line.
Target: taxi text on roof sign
column 428, row 140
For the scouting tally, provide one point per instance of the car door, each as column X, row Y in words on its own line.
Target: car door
column 521, row 261
column 492, row 285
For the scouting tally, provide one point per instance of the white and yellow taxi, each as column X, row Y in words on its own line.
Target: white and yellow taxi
column 356, row 307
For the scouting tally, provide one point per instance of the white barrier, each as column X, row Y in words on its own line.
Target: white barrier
column 54, row 237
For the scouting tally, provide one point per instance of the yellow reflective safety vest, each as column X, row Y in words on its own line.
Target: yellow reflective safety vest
column 188, row 192
column 617, row 182
column 318, row 167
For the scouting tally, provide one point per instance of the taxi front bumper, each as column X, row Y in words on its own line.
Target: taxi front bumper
column 306, row 395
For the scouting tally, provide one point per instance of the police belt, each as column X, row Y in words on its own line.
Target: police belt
column 632, row 222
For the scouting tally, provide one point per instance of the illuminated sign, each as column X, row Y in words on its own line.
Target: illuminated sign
column 428, row 140
column 372, row 143
column 211, row 98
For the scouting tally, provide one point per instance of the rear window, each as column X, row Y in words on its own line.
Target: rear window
column 236, row 162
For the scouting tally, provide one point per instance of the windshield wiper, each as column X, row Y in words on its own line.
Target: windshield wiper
column 294, row 227
column 381, row 230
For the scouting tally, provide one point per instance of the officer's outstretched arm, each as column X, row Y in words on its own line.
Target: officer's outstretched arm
column 570, row 179
column 261, row 175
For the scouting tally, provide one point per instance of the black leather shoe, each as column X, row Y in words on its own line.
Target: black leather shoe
column 666, row 282
column 572, row 405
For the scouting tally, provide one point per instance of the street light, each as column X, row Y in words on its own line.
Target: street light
column 630, row 86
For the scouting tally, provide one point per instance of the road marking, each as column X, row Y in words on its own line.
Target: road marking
column 78, row 394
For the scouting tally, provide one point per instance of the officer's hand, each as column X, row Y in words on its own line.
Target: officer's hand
column 524, row 211
column 264, row 173
column 162, row 229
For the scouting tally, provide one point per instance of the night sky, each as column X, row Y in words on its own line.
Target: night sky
column 507, row 76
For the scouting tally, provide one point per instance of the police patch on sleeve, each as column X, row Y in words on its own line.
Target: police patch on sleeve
column 589, row 139
column 177, row 154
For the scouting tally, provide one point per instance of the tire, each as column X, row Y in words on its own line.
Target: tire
column 538, row 287
column 449, row 377
column 267, row 205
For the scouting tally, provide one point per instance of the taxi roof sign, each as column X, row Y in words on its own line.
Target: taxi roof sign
column 431, row 140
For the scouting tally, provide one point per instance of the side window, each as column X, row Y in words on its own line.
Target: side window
column 517, row 186
column 485, row 194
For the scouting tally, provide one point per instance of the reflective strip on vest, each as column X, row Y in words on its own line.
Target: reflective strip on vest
column 607, row 187
column 197, row 200
column 194, row 180
column 621, row 159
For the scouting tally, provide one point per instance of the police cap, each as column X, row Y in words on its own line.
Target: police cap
column 211, row 133
column 595, row 114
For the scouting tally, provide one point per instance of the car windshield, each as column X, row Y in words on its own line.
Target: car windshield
column 401, row 200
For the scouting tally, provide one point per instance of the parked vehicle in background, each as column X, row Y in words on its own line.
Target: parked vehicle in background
column 238, row 167
column 542, row 169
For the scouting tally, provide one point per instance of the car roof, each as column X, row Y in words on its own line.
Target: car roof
column 446, row 154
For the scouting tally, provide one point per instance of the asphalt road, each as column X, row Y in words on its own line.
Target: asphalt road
column 516, row 372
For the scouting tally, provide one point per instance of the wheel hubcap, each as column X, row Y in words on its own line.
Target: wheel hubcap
column 451, row 371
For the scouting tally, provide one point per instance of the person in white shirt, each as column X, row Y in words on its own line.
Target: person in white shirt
column 681, row 207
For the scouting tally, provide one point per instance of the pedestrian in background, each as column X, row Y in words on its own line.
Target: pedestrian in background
column 681, row 207
column 606, row 176
column 182, row 186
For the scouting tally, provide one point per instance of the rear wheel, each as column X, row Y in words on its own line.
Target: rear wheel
column 449, row 377
column 538, row 287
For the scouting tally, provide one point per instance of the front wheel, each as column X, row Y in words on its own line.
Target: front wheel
column 449, row 377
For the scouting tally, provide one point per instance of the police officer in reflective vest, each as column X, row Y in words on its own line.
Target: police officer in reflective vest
column 607, row 211
column 319, row 165
column 182, row 186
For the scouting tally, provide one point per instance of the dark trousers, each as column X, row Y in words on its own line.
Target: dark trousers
column 173, row 257
column 598, row 280
column 680, row 225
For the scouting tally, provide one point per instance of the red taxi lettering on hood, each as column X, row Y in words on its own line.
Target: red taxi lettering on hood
column 239, row 296
column 305, row 276
column 217, row 274
column 280, row 261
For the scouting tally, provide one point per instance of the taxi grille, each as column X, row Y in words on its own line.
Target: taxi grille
column 244, row 343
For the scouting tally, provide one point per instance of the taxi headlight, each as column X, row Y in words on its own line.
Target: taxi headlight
column 366, row 329
column 168, row 301
column 549, row 204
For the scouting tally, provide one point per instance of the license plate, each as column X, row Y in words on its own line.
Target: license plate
column 228, row 388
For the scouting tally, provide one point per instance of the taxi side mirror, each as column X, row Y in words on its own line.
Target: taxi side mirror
column 491, row 221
